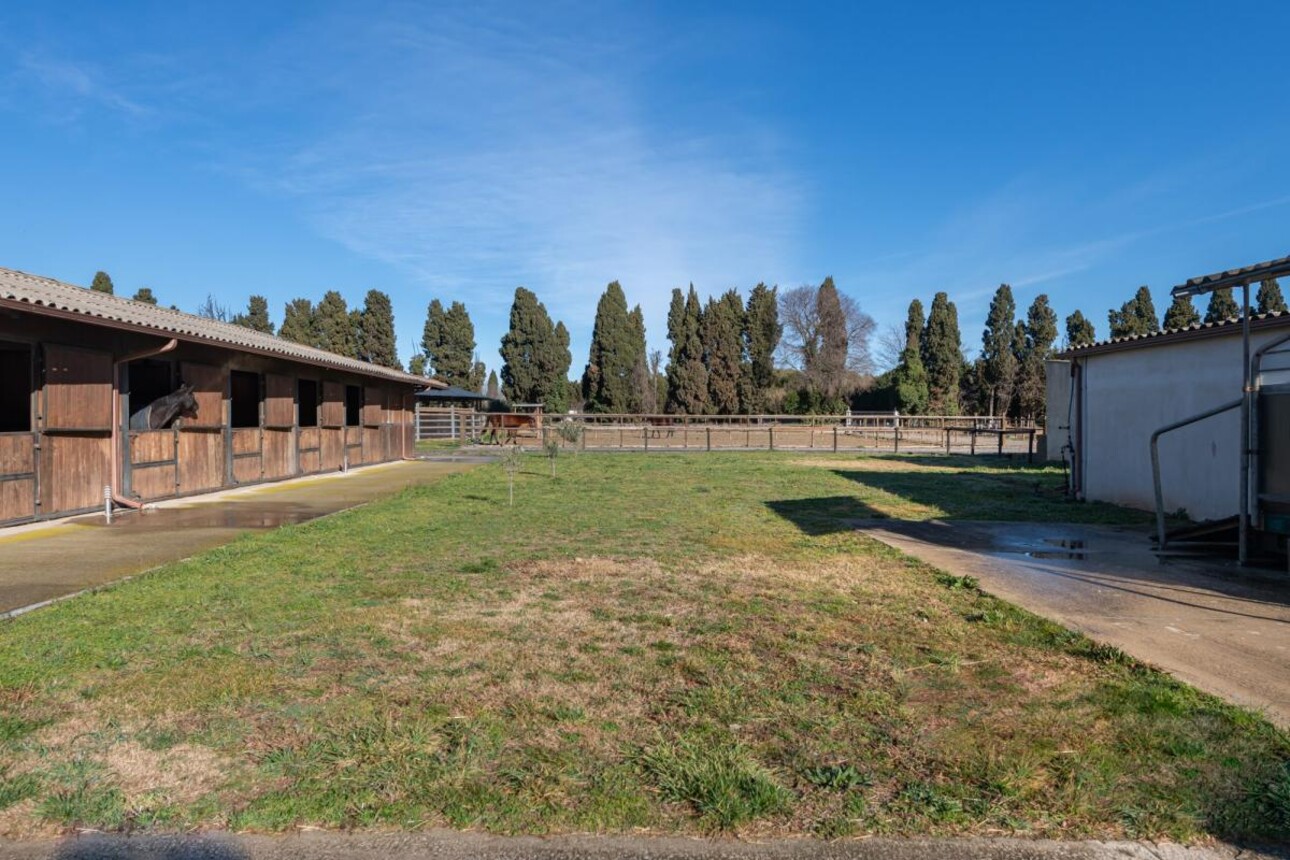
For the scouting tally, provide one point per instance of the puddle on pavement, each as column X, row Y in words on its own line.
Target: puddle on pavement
column 1057, row 554
column 218, row 516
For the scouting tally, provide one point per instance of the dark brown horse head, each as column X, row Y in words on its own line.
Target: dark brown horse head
column 186, row 406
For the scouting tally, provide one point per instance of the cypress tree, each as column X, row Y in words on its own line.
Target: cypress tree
column 417, row 364
column 144, row 294
column 616, row 346
column 998, row 352
column 1269, row 298
column 1222, row 306
column 333, row 327
column 378, row 330
column 1135, row 317
column 535, row 355
column 723, row 324
column 762, row 332
column 102, row 283
column 687, row 388
column 1040, row 332
column 942, row 354
column 827, row 369
column 909, row 380
column 448, row 341
column 1181, row 313
column 494, row 391
column 298, row 322
column 1079, row 331
column 676, row 335
column 256, row 316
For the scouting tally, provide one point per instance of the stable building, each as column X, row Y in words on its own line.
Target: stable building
column 103, row 396
column 1178, row 399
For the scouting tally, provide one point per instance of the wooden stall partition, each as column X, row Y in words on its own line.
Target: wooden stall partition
column 17, row 476
column 332, row 413
column 201, row 460
column 248, row 462
column 278, row 459
column 373, row 448
column 279, row 401
column 208, row 385
column 153, row 467
column 310, row 451
column 74, row 469
column 373, row 406
column 78, row 389
column 332, row 448
column 76, row 428
column 354, row 446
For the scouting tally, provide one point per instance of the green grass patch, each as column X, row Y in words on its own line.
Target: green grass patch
column 677, row 643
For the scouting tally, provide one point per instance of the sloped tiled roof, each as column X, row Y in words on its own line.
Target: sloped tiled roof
column 48, row 295
column 1232, row 325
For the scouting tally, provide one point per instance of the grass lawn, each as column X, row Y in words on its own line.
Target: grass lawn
column 645, row 643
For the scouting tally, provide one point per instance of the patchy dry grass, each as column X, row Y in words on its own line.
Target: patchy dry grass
column 663, row 643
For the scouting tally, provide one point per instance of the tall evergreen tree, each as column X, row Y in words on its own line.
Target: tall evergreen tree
column 102, row 283
column 298, row 322
column 1135, row 317
column 144, row 294
column 1079, row 331
column 909, row 380
column 643, row 390
column 378, row 330
column 256, row 316
column 535, row 355
column 942, row 354
column 616, row 347
column 1181, row 313
column 448, row 341
column 494, row 390
column 417, row 364
column 828, row 370
column 762, row 331
column 723, row 324
column 687, row 376
column 998, row 350
column 1222, row 306
column 1039, row 335
column 333, row 326
column 1269, row 298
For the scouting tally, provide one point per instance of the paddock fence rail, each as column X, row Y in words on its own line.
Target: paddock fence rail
column 949, row 434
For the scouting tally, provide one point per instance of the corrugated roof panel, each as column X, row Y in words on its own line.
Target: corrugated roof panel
column 152, row 319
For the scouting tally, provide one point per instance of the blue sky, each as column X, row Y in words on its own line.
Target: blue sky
column 430, row 151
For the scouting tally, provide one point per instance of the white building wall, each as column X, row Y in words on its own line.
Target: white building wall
column 1058, row 409
column 1129, row 394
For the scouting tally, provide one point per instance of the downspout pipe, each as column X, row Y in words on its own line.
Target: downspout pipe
column 117, row 452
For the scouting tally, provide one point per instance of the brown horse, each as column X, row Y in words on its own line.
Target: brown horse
column 660, row 424
column 509, row 423
column 159, row 414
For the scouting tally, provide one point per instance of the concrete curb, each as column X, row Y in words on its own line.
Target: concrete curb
column 450, row 845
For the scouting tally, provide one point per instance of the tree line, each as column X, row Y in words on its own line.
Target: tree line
column 802, row 350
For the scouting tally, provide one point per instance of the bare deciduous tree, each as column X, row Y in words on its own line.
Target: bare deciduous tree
column 803, row 338
column 890, row 347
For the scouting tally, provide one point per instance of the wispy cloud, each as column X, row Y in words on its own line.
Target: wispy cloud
column 74, row 84
column 489, row 158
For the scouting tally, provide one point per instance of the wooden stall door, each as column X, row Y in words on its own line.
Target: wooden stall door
column 202, row 458
column 17, row 476
column 332, row 443
column 76, row 429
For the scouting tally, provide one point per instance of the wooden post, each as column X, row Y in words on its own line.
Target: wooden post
column 972, row 436
column 645, row 436
column 772, row 438
column 1001, row 433
column 709, row 434
column 835, row 438
column 1030, row 446
column 947, row 440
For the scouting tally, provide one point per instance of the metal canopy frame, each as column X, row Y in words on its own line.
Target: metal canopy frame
column 1229, row 279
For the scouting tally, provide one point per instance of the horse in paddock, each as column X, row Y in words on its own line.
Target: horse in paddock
column 660, row 424
column 159, row 414
column 510, row 423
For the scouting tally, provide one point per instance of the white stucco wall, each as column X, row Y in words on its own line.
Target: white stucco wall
column 1129, row 394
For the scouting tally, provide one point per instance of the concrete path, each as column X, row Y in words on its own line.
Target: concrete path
column 1222, row 629
column 48, row 561
column 460, row 846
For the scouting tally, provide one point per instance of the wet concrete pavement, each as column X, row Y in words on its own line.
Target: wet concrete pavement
column 1210, row 623
column 47, row 561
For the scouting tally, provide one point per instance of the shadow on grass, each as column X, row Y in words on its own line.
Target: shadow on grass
column 826, row 515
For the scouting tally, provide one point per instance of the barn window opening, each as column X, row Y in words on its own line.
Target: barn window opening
column 353, row 405
column 244, row 399
column 15, row 388
column 307, row 398
column 149, row 380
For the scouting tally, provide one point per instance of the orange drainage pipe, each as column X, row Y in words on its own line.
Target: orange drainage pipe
column 116, row 497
